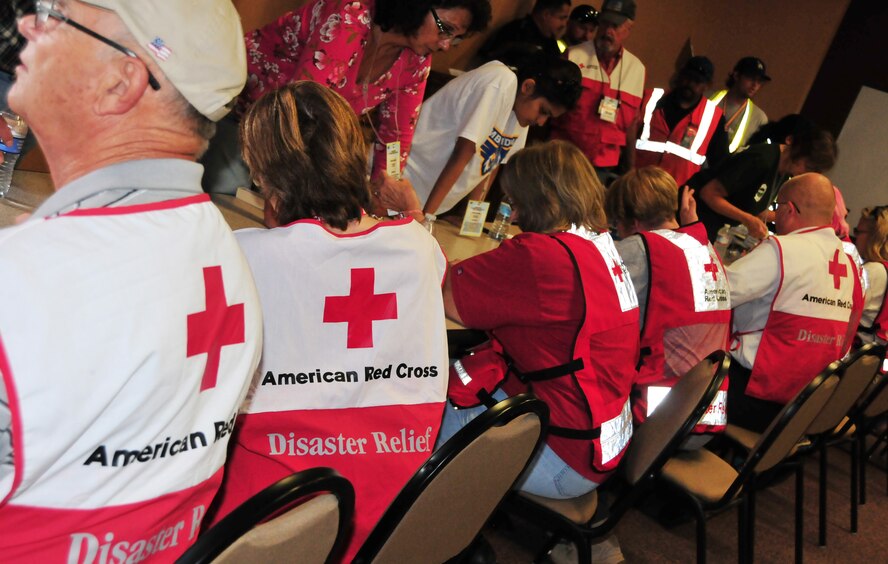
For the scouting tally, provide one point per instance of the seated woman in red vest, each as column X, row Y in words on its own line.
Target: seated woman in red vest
column 558, row 302
column 871, row 239
column 683, row 296
column 353, row 363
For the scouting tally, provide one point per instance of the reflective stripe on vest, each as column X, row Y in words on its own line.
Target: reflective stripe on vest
column 644, row 141
column 615, row 434
column 689, row 154
column 744, row 121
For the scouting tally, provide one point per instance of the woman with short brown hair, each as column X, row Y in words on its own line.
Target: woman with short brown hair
column 354, row 344
column 557, row 302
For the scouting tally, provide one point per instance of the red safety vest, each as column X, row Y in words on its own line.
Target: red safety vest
column 149, row 329
column 601, row 368
column 682, row 151
column 808, row 323
column 602, row 379
column 352, row 377
column 688, row 316
column 600, row 140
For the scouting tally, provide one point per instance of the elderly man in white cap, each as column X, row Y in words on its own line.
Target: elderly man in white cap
column 131, row 325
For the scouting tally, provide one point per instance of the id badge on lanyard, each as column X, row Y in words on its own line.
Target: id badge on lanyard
column 689, row 136
column 393, row 159
column 607, row 109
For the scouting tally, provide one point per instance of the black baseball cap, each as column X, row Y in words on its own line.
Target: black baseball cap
column 584, row 13
column 617, row 11
column 752, row 66
column 699, row 68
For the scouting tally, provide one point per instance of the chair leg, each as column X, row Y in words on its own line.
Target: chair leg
column 750, row 525
column 700, row 517
column 862, row 451
column 800, row 516
column 821, row 533
column 742, row 513
column 855, row 475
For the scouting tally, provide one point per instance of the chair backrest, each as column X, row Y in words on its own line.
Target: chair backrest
column 662, row 433
column 443, row 507
column 856, row 373
column 876, row 402
column 269, row 528
column 784, row 432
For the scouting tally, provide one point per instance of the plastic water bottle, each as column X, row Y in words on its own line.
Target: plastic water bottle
column 503, row 220
column 723, row 241
column 11, row 152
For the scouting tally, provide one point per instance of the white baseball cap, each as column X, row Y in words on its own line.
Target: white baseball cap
column 198, row 44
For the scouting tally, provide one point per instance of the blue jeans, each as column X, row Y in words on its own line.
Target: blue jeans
column 546, row 475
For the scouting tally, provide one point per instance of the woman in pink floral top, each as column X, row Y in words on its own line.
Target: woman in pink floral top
column 372, row 52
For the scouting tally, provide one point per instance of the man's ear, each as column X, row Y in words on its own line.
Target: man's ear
column 122, row 86
column 528, row 87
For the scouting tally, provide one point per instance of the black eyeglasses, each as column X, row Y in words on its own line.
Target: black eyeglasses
column 790, row 202
column 46, row 10
column 445, row 31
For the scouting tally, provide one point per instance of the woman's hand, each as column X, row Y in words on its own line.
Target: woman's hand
column 392, row 194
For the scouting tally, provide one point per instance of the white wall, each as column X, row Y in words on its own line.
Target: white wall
column 861, row 172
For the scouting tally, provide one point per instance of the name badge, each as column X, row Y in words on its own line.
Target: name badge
column 473, row 221
column 607, row 109
column 689, row 136
column 393, row 159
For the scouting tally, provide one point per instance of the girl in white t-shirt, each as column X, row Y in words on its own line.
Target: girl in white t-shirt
column 473, row 124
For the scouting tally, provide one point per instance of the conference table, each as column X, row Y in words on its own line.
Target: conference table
column 30, row 189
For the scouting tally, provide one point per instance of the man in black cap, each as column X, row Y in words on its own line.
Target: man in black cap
column 581, row 26
column 742, row 117
column 682, row 129
column 538, row 31
column 604, row 122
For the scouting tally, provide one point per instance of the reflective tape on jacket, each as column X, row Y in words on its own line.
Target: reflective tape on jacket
column 739, row 134
column 692, row 153
column 616, row 434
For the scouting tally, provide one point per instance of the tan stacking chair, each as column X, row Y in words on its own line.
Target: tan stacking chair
column 856, row 373
column 443, row 507
column 835, row 423
column 861, row 421
column 711, row 484
column 268, row 528
column 652, row 445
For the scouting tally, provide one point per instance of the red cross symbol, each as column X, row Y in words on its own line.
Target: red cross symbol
column 361, row 308
column 219, row 325
column 617, row 270
column 711, row 268
column 837, row 270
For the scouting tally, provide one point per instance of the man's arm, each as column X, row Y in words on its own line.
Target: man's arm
column 715, row 195
column 459, row 158
column 753, row 275
column 449, row 303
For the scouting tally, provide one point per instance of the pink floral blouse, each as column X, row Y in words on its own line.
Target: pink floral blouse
column 324, row 41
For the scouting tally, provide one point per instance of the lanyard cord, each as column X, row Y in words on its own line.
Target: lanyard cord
column 737, row 113
column 365, row 86
column 601, row 73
